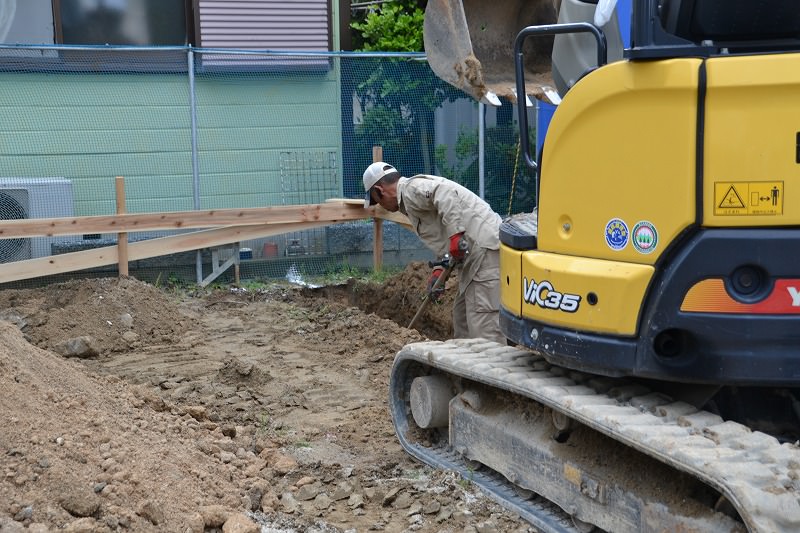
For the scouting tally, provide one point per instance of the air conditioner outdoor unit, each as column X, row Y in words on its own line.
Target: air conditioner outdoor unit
column 26, row 198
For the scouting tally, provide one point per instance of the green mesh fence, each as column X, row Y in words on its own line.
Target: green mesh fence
column 206, row 129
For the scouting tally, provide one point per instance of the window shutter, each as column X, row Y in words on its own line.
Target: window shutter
column 294, row 25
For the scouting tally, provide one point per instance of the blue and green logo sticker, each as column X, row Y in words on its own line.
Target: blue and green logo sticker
column 616, row 234
column 644, row 237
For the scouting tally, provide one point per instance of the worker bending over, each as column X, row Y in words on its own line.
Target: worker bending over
column 449, row 218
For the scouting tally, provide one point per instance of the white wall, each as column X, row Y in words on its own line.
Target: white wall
column 26, row 22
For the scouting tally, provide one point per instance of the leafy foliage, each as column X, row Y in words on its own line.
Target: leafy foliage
column 395, row 27
column 385, row 126
column 397, row 96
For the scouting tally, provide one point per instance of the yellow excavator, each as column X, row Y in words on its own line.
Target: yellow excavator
column 652, row 299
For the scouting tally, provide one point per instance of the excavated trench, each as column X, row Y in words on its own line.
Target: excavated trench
column 398, row 299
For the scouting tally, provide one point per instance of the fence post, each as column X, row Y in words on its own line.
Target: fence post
column 482, row 150
column 195, row 165
column 122, row 238
column 377, row 223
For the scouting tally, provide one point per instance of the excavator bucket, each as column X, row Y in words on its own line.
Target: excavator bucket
column 470, row 45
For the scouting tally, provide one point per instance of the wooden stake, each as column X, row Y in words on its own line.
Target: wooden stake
column 377, row 223
column 122, row 238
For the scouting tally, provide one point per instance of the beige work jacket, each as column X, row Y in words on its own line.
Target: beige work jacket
column 439, row 208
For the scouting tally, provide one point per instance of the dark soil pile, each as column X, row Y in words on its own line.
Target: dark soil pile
column 400, row 297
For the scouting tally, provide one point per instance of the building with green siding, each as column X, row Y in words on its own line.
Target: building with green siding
column 189, row 126
column 236, row 131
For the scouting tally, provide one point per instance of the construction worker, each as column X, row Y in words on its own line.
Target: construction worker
column 449, row 218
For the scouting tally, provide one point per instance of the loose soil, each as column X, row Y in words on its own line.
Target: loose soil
column 126, row 407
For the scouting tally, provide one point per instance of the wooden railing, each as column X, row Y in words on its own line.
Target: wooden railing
column 222, row 226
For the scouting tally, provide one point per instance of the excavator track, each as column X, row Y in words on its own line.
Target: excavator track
column 755, row 476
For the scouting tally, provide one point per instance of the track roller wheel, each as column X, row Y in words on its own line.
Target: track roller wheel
column 430, row 399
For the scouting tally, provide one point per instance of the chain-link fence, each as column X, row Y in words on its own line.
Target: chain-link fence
column 206, row 129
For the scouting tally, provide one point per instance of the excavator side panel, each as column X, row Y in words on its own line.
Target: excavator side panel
column 618, row 177
column 752, row 152
column 511, row 280
column 697, row 187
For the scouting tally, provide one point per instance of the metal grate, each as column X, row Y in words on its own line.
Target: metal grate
column 308, row 178
column 13, row 207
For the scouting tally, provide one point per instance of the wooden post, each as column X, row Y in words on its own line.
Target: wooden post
column 122, row 238
column 377, row 223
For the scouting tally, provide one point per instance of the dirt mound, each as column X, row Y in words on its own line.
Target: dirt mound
column 253, row 409
column 81, row 449
column 115, row 314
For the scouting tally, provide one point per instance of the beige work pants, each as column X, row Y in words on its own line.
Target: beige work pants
column 476, row 310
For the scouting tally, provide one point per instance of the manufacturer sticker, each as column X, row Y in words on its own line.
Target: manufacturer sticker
column 616, row 234
column 644, row 237
column 748, row 198
column 545, row 296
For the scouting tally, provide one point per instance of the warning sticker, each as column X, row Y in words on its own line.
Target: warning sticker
column 743, row 198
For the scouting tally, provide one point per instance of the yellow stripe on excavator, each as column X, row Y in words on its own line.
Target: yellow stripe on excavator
column 574, row 292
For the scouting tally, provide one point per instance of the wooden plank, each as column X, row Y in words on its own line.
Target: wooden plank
column 329, row 212
column 377, row 211
column 349, row 201
column 310, row 216
column 213, row 237
column 59, row 264
column 397, row 218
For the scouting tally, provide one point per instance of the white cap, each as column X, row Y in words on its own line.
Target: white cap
column 372, row 175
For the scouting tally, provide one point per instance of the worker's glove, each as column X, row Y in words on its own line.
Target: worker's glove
column 458, row 246
column 435, row 294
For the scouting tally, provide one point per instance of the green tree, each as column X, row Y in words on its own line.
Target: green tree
column 391, row 27
column 398, row 96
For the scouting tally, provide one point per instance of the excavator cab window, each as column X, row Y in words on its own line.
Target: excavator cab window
column 703, row 28
column 731, row 20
